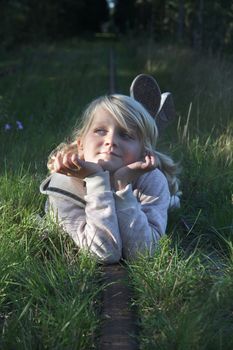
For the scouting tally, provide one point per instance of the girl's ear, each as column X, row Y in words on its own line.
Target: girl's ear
column 80, row 147
column 79, row 143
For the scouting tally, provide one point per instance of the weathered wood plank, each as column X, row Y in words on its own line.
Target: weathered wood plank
column 118, row 318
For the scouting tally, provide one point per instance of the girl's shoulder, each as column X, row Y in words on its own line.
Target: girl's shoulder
column 153, row 183
column 154, row 177
column 66, row 187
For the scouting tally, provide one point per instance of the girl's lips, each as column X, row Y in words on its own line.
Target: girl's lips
column 110, row 153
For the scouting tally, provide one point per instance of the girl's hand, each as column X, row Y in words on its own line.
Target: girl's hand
column 71, row 165
column 130, row 173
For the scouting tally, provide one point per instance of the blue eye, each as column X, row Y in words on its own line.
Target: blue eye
column 100, row 131
column 126, row 135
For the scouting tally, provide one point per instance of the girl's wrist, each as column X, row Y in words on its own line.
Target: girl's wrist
column 120, row 185
column 98, row 182
column 120, row 179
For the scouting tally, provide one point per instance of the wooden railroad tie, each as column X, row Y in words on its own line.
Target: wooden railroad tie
column 118, row 329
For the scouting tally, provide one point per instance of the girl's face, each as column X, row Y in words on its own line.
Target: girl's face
column 108, row 144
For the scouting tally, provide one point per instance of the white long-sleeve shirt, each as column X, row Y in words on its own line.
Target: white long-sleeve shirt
column 111, row 225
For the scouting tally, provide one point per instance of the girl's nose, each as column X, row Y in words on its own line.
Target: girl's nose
column 111, row 139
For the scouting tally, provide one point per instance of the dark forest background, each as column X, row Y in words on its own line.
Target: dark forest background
column 202, row 24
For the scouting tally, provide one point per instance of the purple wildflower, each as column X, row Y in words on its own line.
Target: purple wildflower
column 7, row 127
column 19, row 125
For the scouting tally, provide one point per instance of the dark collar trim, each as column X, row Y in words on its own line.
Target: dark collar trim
column 65, row 193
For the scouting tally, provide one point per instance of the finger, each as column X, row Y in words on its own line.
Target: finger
column 149, row 163
column 58, row 162
column 76, row 161
column 146, row 163
column 61, row 164
column 70, row 162
column 153, row 161
column 67, row 161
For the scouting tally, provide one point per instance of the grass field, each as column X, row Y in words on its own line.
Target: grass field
column 50, row 293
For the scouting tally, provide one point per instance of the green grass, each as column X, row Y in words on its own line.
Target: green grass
column 184, row 293
column 183, row 302
column 49, row 291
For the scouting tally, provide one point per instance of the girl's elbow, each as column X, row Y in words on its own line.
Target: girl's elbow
column 112, row 257
column 110, row 254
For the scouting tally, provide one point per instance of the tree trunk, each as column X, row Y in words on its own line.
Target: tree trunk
column 198, row 27
column 180, row 32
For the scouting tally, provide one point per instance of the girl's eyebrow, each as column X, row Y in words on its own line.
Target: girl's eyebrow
column 98, row 125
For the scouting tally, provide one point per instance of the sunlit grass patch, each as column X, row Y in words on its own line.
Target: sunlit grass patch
column 207, row 186
column 49, row 290
column 183, row 302
column 49, row 303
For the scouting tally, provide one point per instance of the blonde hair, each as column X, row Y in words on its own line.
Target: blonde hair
column 130, row 115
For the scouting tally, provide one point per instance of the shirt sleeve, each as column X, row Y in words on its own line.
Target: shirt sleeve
column 142, row 214
column 93, row 226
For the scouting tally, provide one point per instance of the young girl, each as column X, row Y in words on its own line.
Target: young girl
column 109, row 188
